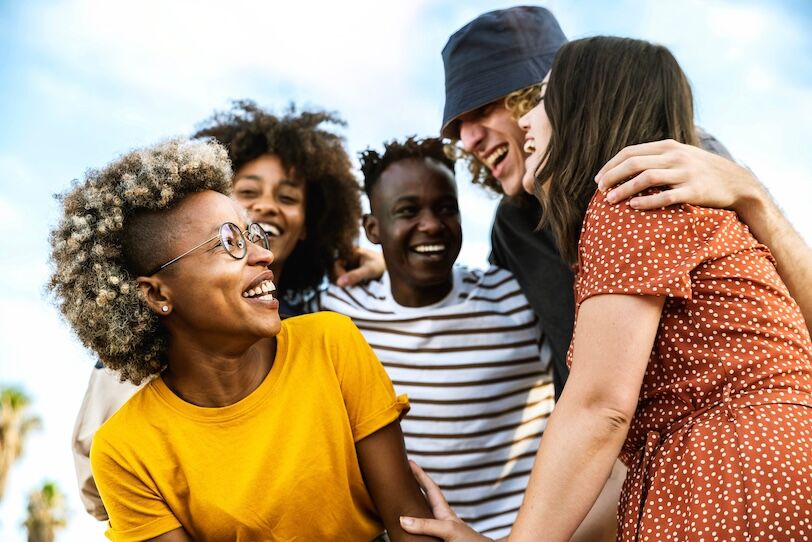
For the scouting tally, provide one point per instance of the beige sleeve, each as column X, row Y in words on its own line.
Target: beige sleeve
column 104, row 396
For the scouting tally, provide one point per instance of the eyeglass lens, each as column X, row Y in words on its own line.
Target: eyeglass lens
column 258, row 236
column 232, row 240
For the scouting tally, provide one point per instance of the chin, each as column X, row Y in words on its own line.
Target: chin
column 512, row 187
column 433, row 279
column 272, row 330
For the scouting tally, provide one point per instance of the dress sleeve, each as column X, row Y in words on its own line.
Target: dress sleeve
column 625, row 251
column 136, row 510
column 368, row 392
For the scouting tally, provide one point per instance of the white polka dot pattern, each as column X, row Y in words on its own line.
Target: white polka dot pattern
column 720, row 447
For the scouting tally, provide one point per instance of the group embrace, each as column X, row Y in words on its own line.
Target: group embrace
column 635, row 363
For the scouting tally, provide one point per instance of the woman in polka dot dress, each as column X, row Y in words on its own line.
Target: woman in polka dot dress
column 689, row 359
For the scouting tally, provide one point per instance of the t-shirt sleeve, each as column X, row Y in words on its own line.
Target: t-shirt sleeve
column 136, row 510
column 626, row 251
column 368, row 392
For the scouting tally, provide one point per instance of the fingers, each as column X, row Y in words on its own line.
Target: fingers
column 632, row 167
column 351, row 278
column 645, row 180
column 439, row 506
column 660, row 200
column 371, row 267
column 444, row 529
column 643, row 149
column 339, row 268
column 448, row 530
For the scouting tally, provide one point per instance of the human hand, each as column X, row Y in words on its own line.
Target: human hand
column 693, row 175
column 370, row 266
column 446, row 525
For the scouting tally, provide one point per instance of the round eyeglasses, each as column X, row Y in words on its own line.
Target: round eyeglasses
column 232, row 239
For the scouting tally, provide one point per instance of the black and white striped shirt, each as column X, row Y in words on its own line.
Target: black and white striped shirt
column 478, row 377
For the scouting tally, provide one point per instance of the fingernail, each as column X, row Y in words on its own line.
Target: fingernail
column 611, row 197
column 341, row 282
column 404, row 520
column 598, row 177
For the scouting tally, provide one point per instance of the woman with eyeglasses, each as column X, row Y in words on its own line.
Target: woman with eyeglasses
column 294, row 178
column 252, row 428
column 690, row 360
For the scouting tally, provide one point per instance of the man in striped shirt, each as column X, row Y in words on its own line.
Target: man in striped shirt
column 464, row 344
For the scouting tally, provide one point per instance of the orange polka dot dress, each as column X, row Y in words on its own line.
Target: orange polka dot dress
column 720, row 448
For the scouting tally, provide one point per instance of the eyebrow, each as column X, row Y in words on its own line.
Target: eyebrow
column 402, row 199
column 290, row 182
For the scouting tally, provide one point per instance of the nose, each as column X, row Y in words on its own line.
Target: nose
column 524, row 121
column 264, row 205
column 471, row 135
column 430, row 223
column 259, row 255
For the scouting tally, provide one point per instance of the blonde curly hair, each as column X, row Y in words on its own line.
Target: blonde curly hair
column 94, row 271
column 518, row 103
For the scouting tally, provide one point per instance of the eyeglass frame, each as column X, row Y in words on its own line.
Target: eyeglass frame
column 244, row 235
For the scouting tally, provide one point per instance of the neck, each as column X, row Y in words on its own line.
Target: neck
column 216, row 377
column 409, row 295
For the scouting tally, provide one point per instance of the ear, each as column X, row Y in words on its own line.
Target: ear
column 156, row 293
column 371, row 228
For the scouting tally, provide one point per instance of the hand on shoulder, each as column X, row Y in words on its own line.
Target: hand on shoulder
column 690, row 174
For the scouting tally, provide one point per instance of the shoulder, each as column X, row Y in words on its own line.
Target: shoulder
column 488, row 277
column 316, row 319
column 489, row 287
column 607, row 222
column 322, row 324
column 359, row 301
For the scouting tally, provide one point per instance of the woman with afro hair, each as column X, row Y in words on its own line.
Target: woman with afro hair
column 248, row 427
column 294, row 178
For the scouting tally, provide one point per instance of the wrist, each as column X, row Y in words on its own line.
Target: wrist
column 753, row 201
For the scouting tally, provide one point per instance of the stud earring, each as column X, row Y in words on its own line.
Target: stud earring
column 165, row 308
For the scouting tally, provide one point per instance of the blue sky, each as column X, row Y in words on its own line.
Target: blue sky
column 82, row 81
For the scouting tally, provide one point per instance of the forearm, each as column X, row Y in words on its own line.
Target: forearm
column 579, row 448
column 600, row 524
column 792, row 255
column 382, row 457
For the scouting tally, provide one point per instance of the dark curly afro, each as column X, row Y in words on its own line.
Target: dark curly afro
column 373, row 163
column 313, row 154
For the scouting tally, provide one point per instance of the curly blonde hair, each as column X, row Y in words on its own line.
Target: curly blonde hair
column 518, row 103
column 93, row 279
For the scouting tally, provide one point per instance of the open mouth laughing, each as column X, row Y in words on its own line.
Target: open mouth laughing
column 264, row 290
column 496, row 156
column 271, row 229
column 430, row 251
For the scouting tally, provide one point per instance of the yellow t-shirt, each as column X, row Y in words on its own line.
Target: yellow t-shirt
column 278, row 465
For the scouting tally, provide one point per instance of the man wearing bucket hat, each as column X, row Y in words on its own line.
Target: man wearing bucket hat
column 493, row 66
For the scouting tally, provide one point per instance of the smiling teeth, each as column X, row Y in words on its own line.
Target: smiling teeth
column 529, row 146
column 498, row 153
column 270, row 229
column 264, row 287
column 423, row 249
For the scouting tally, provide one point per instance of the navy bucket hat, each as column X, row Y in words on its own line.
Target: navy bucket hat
column 495, row 54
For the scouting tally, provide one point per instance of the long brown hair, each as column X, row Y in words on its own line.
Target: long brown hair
column 604, row 93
